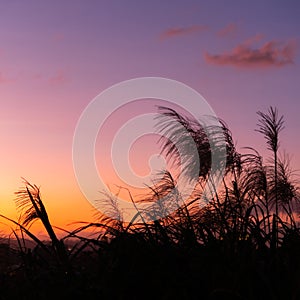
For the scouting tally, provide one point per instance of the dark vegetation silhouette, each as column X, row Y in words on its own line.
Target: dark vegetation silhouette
column 243, row 244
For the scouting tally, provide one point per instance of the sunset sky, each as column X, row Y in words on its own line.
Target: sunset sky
column 56, row 56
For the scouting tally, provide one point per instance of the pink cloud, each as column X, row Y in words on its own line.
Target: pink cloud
column 272, row 53
column 182, row 31
column 229, row 29
column 4, row 79
column 58, row 78
column 37, row 76
column 58, row 37
column 254, row 39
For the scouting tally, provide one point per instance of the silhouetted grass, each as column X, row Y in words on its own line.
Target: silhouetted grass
column 244, row 244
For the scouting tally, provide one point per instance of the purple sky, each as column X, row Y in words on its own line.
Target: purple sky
column 55, row 57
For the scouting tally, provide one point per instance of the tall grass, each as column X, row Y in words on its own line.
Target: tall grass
column 244, row 243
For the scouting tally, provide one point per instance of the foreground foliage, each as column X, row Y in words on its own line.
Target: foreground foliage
column 244, row 244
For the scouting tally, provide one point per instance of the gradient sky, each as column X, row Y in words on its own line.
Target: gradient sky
column 55, row 57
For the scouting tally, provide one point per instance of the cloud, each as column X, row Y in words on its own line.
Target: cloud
column 182, row 31
column 229, row 29
column 58, row 37
column 272, row 53
column 4, row 79
column 254, row 39
column 58, row 78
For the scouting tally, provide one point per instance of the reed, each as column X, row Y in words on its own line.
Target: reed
column 244, row 244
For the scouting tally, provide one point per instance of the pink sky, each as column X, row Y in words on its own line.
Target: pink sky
column 56, row 57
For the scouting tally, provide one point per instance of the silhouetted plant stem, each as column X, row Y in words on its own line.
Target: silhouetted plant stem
column 270, row 125
column 30, row 199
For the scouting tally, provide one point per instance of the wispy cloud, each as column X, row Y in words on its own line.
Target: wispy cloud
column 181, row 31
column 254, row 39
column 58, row 78
column 58, row 37
column 272, row 53
column 228, row 30
column 4, row 79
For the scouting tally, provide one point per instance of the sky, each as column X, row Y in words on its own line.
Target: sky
column 56, row 57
